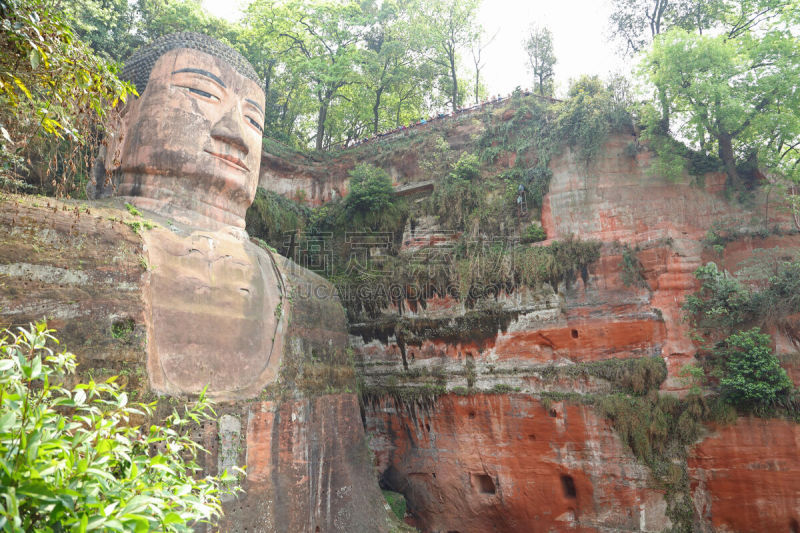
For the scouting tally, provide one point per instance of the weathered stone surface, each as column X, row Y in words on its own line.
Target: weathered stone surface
column 507, row 463
column 88, row 273
column 307, row 468
column 663, row 224
column 219, row 309
column 81, row 270
column 745, row 476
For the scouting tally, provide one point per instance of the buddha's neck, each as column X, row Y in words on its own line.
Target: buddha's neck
column 196, row 208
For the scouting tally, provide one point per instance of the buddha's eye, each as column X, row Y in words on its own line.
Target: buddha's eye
column 255, row 124
column 202, row 93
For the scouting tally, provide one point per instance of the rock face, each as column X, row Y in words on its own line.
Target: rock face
column 506, row 462
column 744, row 477
column 471, row 461
column 87, row 271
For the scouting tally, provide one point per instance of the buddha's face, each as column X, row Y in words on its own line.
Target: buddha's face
column 192, row 141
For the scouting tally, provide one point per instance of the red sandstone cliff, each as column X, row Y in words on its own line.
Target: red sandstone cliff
column 470, row 461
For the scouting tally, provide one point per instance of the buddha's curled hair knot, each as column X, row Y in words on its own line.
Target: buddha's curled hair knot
column 137, row 68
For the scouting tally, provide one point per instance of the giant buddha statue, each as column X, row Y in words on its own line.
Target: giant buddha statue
column 187, row 150
column 170, row 294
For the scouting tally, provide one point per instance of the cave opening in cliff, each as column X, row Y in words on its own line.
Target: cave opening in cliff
column 568, row 484
column 794, row 526
column 574, row 333
column 484, row 483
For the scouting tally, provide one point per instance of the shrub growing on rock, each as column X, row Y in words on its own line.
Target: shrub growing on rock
column 74, row 460
column 371, row 202
column 753, row 378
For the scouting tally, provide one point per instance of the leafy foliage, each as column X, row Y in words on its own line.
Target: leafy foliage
column 730, row 89
column 533, row 233
column 753, row 378
column 726, row 305
column 731, row 315
column 541, row 58
column 371, row 203
column 54, row 91
column 589, row 115
column 459, row 194
column 75, row 460
column 276, row 220
column 397, row 502
column 632, row 269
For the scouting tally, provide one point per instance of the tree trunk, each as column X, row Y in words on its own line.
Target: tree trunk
column 726, row 154
column 321, row 117
column 375, row 109
column 664, row 122
column 455, row 80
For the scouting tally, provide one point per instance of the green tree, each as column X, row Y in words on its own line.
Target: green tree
column 73, row 460
column 736, row 96
column 392, row 52
column 634, row 24
column 109, row 27
column 541, row 59
column 115, row 28
column 480, row 44
column 162, row 17
column 592, row 110
column 371, row 202
column 319, row 41
column 753, row 378
column 54, row 91
column 450, row 26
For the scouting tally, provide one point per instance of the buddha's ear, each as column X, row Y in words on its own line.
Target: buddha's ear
column 117, row 130
column 101, row 184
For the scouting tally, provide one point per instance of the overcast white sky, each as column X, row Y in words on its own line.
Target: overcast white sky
column 579, row 33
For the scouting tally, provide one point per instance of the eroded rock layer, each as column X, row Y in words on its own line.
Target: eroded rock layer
column 468, row 461
column 85, row 269
column 508, row 462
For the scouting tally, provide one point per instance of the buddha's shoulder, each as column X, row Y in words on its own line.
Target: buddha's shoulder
column 316, row 311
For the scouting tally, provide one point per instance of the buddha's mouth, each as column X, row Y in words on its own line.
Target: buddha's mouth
column 233, row 161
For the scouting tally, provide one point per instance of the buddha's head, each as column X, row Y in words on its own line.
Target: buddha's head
column 189, row 147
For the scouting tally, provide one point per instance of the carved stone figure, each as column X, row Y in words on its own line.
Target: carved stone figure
column 188, row 150
column 196, row 303
column 189, row 147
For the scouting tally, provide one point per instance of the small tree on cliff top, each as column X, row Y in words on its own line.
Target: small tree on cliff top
column 541, row 58
column 371, row 202
column 753, row 378
column 72, row 460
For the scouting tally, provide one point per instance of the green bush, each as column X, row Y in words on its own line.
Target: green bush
column 73, row 460
column 534, row 233
column 632, row 269
column 371, row 203
column 590, row 113
column 397, row 502
column 276, row 220
column 722, row 303
column 459, row 195
column 54, row 93
column 753, row 378
column 468, row 167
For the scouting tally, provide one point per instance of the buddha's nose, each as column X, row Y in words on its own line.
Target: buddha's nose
column 229, row 129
